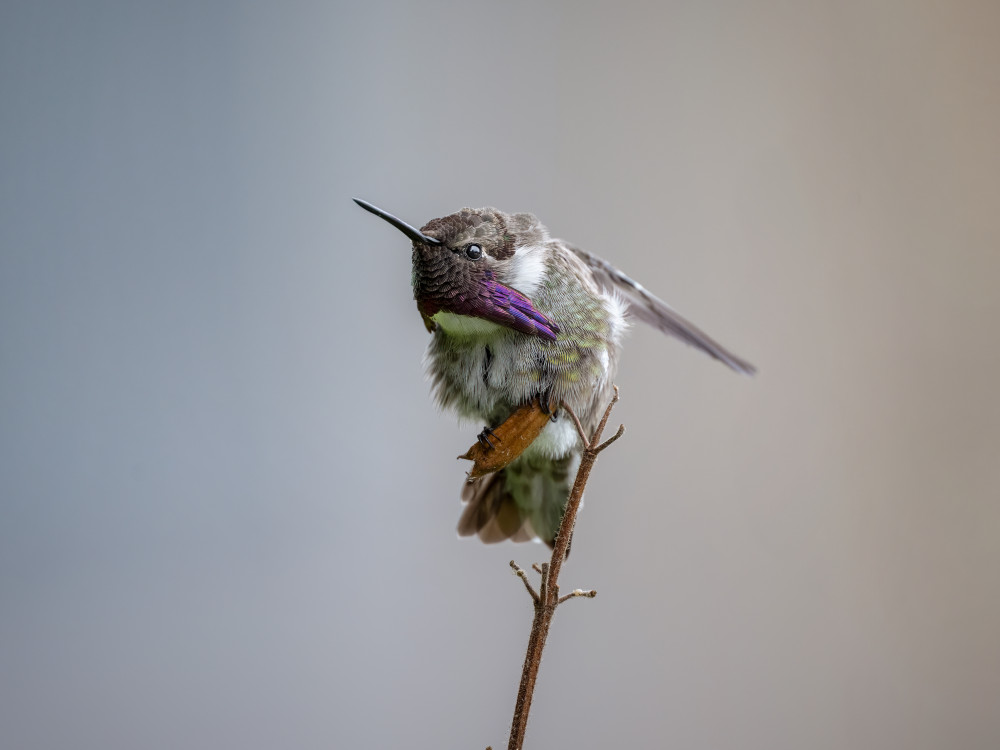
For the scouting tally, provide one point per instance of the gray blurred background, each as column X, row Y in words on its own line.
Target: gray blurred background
column 227, row 503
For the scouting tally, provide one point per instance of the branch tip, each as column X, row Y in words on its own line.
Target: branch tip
column 519, row 572
column 578, row 593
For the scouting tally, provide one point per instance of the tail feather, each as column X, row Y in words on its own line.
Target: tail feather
column 521, row 502
column 491, row 513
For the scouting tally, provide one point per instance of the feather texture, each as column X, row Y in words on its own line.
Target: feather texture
column 650, row 309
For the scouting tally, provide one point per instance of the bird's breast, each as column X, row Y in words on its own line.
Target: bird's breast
column 465, row 326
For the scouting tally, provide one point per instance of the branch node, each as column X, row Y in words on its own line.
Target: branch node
column 610, row 440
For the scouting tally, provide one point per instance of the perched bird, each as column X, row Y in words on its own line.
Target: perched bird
column 519, row 319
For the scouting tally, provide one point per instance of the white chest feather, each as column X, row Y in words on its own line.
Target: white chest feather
column 527, row 269
column 558, row 439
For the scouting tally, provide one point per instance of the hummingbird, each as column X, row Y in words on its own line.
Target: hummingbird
column 521, row 321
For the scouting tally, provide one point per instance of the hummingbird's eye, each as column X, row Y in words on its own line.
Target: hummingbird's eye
column 473, row 252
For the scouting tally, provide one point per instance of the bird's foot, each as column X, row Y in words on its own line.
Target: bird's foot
column 486, row 438
column 496, row 447
column 547, row 405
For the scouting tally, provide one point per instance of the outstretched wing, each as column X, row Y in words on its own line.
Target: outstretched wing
column 657, row 313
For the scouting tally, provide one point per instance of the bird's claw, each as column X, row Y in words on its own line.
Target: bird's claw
column 484, row 438
column 546, row 404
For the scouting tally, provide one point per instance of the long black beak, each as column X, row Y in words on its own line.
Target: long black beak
column 401, row 225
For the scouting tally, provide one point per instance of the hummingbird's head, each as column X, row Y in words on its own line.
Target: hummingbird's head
column 496, row 235
column 477, row 243
column 460, row 261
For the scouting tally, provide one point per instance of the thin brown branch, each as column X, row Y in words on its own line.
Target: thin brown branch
column 576, row 421
column 547, row 598
column 604, row 420
column 577, row 592
column 610, row 440
column 524, row 577
column 543, row 587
